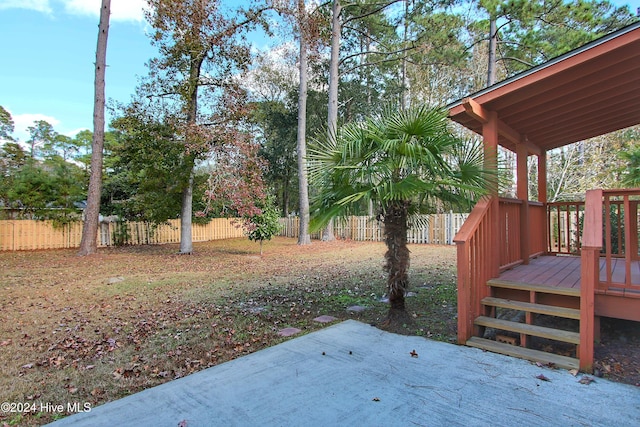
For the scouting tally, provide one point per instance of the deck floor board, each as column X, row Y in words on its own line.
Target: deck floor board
column 564, row 271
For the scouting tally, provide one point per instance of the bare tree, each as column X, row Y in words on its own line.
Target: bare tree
column 88, row 243
column 303, row 237
column 334, row 81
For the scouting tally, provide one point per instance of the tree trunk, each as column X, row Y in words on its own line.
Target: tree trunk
column 186, row 211
column 493, row 43
column 88, row 243
column 334, row 81
column 303, row 237
column 285, row 198
column 396, row 259
column 404, row 94
column 186, row 240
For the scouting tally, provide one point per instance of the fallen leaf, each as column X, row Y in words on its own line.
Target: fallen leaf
column 27, row 366
column 376, row 399
column 182, row 423
column 586, row 380
column 542, row 377
column 573, row 372
column 413, row 353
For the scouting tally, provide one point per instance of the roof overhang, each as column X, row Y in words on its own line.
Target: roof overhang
column 590, row 91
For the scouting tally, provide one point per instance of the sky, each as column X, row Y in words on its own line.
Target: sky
column 47, row 56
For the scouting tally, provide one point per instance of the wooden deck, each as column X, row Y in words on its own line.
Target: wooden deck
column 564, row 272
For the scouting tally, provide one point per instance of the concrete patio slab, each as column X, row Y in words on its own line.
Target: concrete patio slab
column 352, row 374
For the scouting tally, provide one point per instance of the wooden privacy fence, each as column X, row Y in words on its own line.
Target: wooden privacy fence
column 16, row 235
column 437, row 229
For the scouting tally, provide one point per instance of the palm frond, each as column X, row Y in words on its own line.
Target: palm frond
column 398, row 156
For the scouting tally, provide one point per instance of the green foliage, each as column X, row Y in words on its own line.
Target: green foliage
column 278, row 122
column 82, row 146
column 532, row 32
column 51, row 189
column 145, row 172
column 399, row 157
column 265, row 225
column 49, row 186
column 6, row 124
column 41, row 137
column 631, row 174
column 120, row 235
column 12, row 159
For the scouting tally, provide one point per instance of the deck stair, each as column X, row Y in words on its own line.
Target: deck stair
column 532, row 300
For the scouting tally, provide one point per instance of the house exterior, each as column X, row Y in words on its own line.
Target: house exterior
column 576, row 260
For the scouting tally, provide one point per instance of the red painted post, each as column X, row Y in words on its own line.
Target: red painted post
column 589, row 270
column 523, row 194
column 589, row 275
column 465, row 317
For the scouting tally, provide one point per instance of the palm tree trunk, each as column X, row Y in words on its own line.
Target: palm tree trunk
column 397, row 257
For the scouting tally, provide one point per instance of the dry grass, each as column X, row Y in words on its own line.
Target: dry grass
column 94, row 329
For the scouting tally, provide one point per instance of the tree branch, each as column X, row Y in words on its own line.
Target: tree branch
column 372, row 12
column 512, row 58
column 373, row 52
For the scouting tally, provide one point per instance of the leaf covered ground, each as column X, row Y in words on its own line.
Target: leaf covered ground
column 93, row 329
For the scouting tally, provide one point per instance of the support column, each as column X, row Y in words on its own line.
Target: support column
column 589, row 276
column 490, row 137
column 523, row 194
column 542, row 194
column 542, row 177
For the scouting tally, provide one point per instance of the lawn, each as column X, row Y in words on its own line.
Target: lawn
column 84, row 331
column 90, row 330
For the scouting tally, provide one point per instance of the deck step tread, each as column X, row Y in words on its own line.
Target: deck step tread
column 524, row 353
column 550, row 310
column 524, row 328
column 500, row 283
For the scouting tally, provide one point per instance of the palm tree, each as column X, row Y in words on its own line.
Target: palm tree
column 405, row 163
column 631, row 177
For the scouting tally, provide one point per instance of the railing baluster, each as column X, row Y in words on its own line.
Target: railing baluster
column 627, row 240
column 607, row 237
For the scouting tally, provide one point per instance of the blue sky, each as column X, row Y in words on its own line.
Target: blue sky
column 47, row 52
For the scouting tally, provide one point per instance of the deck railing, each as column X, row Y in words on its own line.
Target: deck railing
column 537, row 217
column 477, row 257
column 499, row 234
column 520, row 225
column 565, row 223
column 615, row 231
column 564, row 227
column 510, row 232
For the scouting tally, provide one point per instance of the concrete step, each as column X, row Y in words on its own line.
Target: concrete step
column 524, row 353
column 551, row 310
